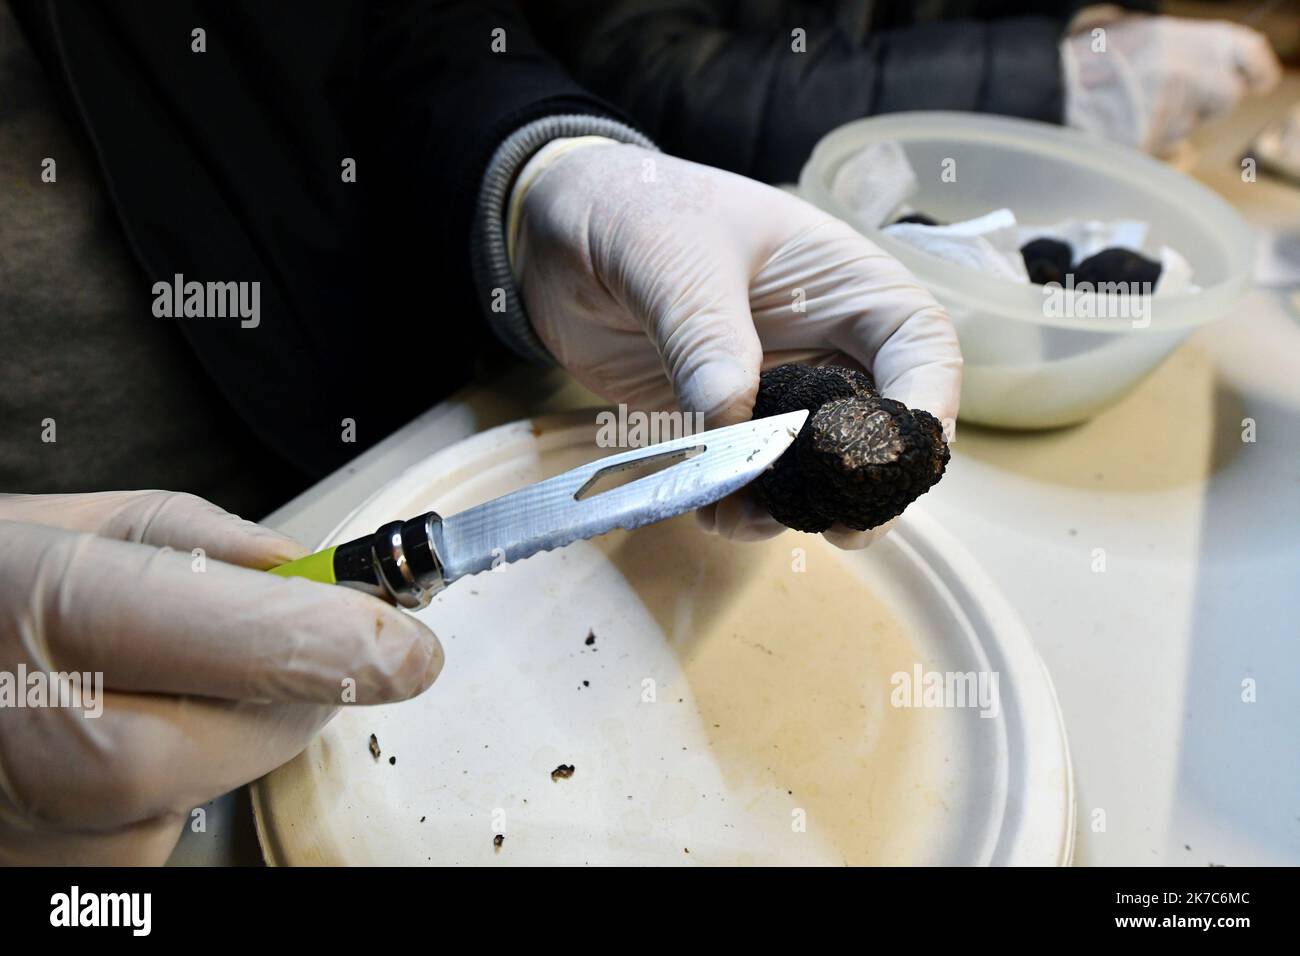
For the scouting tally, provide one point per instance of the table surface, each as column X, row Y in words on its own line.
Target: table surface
column 1153, row 658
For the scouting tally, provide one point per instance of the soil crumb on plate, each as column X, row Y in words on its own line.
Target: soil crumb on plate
column 591, row 638
column 374, row 746
column 498, row 840
column 563, row 772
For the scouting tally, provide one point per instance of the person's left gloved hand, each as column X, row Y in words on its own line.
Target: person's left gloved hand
column 197, row 671
column 659, row 283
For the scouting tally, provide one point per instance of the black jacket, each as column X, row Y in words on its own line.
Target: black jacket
column 719, row 81
column 226, row 165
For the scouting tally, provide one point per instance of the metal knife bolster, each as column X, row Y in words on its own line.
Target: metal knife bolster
column 399, row 563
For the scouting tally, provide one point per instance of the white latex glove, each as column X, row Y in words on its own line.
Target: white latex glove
column 663, row 283
column 211, row 678
column 1158, row 77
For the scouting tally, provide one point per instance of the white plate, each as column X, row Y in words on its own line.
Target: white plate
column 732, row 708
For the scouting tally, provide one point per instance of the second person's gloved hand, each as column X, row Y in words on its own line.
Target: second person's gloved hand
column 1157, row 78
column 663, row 283
column 214, row 673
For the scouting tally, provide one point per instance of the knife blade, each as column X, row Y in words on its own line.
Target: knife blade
column 408, row 562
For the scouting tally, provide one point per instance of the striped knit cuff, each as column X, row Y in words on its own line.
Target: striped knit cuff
column 493, row 280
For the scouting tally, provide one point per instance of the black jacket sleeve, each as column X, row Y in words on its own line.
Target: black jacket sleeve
column 723, row 82
column 224, row 151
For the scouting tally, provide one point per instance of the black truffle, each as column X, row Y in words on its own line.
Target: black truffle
column 917, row 218
column 859, row 460
column 1047, row 260
column 1118, row 265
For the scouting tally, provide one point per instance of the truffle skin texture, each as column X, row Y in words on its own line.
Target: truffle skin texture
column 859, row 460
column 1047, row 260
column 1117, row 265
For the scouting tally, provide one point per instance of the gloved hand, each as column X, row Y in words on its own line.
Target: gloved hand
column 1158, row 77
column 213, row 674
column 662, row 283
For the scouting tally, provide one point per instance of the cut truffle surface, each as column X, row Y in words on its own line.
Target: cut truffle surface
column 859, row 459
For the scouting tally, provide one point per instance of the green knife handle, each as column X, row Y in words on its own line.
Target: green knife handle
column 315, row 567
column 399, row 563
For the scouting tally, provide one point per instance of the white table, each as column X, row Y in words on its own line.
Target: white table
column 1201, row 588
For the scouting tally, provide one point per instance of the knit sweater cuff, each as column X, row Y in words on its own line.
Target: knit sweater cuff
column 497, row 292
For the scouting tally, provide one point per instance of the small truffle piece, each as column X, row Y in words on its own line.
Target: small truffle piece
column 563, row 772
column 859, row 460
column 917, row 219
column 1047, row 260
column 374, row 746
column 1118, row 265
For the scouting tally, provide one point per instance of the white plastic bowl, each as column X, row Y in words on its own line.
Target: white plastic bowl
column 1026, row 368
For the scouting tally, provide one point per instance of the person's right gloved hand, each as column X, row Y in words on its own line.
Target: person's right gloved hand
column 214, row 673
column 1158, row 77
column 664, row 283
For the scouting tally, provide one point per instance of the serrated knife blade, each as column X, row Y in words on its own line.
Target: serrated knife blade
column 701, row 469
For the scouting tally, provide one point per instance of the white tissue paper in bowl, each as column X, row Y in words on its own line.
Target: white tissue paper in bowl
column 989, row 244
column 877, row 181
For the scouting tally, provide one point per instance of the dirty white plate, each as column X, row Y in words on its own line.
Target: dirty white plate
column 720, row 703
